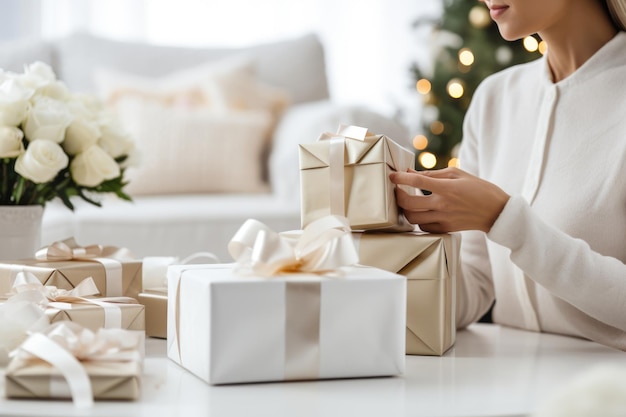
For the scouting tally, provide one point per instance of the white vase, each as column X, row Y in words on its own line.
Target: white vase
column 20, row 231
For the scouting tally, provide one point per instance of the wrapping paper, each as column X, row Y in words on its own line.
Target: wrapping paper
column 114, row 272
column 68, row 361
column 288, row 309
column 228, row 328
column 78, row 305
column 155, row 301
column 347, row 174
column 154, row 294
column 127, row 314
column 430, row 263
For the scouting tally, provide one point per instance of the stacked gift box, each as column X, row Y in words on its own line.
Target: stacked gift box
column 71, row 293
column 347, row 173
column 347, row 296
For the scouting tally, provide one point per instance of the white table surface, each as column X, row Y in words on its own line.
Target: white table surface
column 491, row 371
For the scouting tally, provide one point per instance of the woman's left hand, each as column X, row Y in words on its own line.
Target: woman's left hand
column 459, row 201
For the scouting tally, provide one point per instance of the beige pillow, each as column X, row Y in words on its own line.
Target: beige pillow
column 227, row 84
column 195, row 151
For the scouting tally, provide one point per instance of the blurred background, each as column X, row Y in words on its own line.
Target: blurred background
column 416, row 61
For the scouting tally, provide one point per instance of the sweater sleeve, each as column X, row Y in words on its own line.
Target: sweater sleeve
column 475, row 291
column 593, row 283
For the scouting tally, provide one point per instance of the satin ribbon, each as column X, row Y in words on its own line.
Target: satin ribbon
column 109, row 257
column 325, row 245
column 65, row 345
column 154, row 268
column 337, row 163
column 28, row 288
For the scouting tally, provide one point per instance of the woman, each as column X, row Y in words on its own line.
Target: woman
column 542, row 194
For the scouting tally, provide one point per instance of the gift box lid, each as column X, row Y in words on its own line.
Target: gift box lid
column 371, row 150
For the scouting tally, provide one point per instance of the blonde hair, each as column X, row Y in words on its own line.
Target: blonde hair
column 617, row 11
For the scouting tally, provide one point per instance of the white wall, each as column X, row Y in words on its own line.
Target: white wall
column 370, row 44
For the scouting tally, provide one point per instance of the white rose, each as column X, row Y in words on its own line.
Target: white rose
column 115, row 140
column 47, row 118
column 93, row 166
column 41, row 78
column 84, row 131
column 42, row 161
column 40, row 70
column 11, row 144
column 13, row 102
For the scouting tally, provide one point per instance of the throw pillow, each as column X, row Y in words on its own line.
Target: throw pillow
column 195, row 151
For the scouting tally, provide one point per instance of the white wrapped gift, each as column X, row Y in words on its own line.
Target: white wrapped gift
column 228, row 324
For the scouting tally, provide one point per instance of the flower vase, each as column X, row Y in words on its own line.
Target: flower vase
column 20, row 231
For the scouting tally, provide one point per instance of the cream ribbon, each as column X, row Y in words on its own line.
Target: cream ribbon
column 154, row 268
column 109, row 257
column 28, row 288
column 65, row 345
column 324, row 246
column 336, row 164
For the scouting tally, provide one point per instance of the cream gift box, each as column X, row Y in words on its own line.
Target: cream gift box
column 64, row 265
column 430, row 263
column 123, row 313
column 69, row 361
column 347, row 174
column 230, row 328
column 155, row 302
column 154, row 294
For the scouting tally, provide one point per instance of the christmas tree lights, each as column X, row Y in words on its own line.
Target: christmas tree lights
column 468, row 49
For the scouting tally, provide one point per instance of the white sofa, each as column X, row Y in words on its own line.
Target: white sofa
column 180, row 224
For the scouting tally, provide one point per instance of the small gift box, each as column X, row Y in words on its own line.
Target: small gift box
column 430, row 263
column 287, row 312
column 75, row 305
column 154, row 294
column 65, row 264
column 69, row 361
column 347, row 174
column 155, row 302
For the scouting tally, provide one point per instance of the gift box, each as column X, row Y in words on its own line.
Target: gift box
column 155, row 301
column 430, row 263
column 230, row 328
column 347, row 174
column 68, row 361
column 154, row 294
column 123, row 313
column 65, row 264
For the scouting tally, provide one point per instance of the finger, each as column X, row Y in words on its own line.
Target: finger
column 412, row 202
column 417, row 180
column 423, row 217
column 442, row 173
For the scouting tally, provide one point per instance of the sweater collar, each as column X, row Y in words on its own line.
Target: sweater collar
column 610, row 55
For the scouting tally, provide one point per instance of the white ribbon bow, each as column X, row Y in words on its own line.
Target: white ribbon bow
column 325, row 245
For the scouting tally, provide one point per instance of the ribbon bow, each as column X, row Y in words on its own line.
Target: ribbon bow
column 65, row 344
column 68, row 250
column 324, row 245
column 27, row 285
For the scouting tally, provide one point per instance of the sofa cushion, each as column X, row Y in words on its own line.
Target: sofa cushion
column 282, row 64
column 226, row 84
column 195, row 151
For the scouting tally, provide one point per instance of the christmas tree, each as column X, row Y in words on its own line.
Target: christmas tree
column 468, row 49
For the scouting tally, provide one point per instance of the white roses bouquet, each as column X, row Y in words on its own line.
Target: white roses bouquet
column 56, row 144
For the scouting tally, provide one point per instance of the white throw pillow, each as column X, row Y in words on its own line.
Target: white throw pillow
column 195, row 151
column 227, row 84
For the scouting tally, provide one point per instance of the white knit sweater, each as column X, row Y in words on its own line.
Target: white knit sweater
column 560, row 151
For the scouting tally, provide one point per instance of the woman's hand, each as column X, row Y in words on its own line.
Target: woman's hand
column 459, row 201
